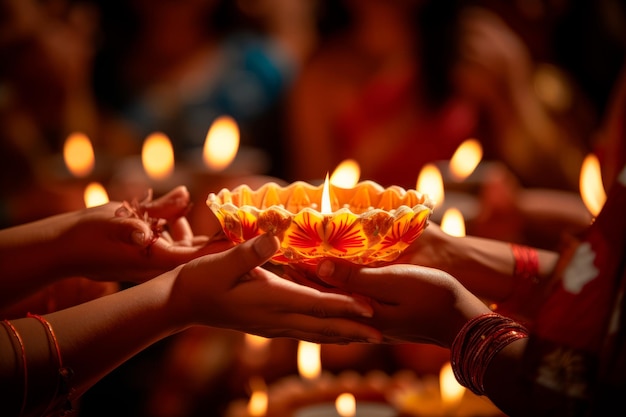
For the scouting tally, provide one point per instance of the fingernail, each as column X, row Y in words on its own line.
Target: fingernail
column 138, row 237
column 263, row 246
column 326, row 269
column 364, row 310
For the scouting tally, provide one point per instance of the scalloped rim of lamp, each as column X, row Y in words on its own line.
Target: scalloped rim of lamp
column 369, row 224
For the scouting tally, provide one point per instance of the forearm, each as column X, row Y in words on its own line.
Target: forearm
column 30, row 256
column 486, row 266
column 93, row 339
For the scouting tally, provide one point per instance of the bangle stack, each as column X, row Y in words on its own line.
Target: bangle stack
column 477, row 343
column 64, row 374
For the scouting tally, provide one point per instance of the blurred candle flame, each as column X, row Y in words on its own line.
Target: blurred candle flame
column 430, row 182
column 346, row 175
column 78, row 154
column 157, row 156
column 465, row 159
column 591, row 187
column 257, row 406
column 453, row 223
column 95, row 195
column 346, row 405
column 326, row 206
column 221, row 143
column 309, row 360
column 451, row 391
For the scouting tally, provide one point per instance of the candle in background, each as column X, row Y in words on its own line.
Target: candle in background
column 78, row 155
column 346, row 405
column 591, row 186
column 452, row 222
column 451, row 391
column 95, row 195
column 221, row 144
column 157, row 156
column 257, row 406
column 465, row 159
column 309, row 360
column 346, row 174
column 430, row 182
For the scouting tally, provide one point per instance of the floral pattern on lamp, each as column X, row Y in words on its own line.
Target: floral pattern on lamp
column 367, row 224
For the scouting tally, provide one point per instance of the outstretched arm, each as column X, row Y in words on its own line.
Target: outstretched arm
column 225, row 289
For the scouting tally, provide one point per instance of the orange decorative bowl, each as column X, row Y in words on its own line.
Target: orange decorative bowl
column 367, row 224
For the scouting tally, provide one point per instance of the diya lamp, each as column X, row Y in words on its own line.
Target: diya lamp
column 366, row 224
column 441, row 397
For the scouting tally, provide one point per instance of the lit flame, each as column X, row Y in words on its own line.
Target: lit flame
column 453, row 223
column 309, row 360
column 157, row 156
column 78, row 155
column 591, row 187
column 326, row 206
column 95, row 195
column 346, row 405
column 257, row 406
column 465, row 159
column 221, row 143
column 451, row 391
column 346, row 175
column 430, row 182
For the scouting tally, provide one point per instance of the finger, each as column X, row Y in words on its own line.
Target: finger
column 360, row 280
column 180, row 230
column 170, row 206
column 291, row 297
column 131, row 231
column 243, row 258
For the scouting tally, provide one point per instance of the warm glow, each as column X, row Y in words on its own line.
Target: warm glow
column 453, row 223
column 257, row 406
column 451, row 391
column 346, row 405
column 430, row 182
column 221, row 144
column 591, row 187
column 157, row 156
column 326, row 206
column 465, row 159
column 95, row 195
column 78, row 155
column 309, row 360
column 256, row 343
column 346, row 175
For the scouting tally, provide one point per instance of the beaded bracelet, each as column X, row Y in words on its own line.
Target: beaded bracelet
column 477, row 343
column 13, row 330
column 64, row 373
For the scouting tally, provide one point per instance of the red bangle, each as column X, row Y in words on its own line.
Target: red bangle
column 526, row 263
column 13, row 330
column 64, row 373
column 477, row 343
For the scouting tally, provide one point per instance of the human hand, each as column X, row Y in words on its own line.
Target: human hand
column 228, row 290
column 136, row 241
column 410, row 303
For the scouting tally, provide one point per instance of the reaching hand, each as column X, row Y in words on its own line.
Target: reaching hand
column 411, row 303
column 227, row 290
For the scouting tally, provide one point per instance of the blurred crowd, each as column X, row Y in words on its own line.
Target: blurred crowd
column 392, row 84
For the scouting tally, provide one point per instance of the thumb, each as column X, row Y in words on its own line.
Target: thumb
column 241, row 259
